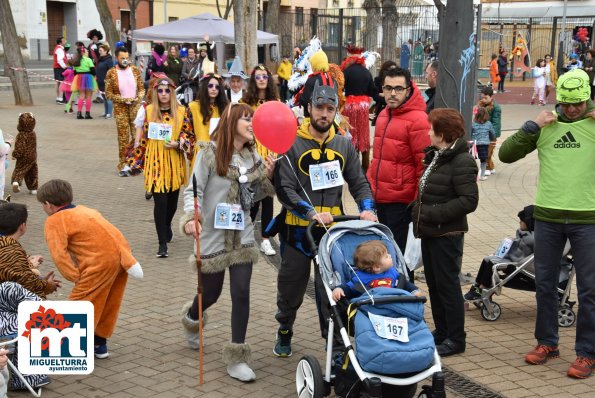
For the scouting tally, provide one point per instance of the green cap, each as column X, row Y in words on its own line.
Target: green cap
column 573, row 87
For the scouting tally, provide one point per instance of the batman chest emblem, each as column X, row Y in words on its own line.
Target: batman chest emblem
column 317, row 156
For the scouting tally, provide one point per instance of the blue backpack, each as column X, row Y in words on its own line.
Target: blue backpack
column 385, row 356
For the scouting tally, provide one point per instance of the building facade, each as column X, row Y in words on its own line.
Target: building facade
column 40, row 22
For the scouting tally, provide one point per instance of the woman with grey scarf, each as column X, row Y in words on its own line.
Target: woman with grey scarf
column 230, row 177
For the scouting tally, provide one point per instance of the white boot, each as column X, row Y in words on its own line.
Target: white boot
column 191, row 326
column 236, row 356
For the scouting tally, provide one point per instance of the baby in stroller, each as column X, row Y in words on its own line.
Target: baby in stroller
column 374, row 269
column 392, row 348
column 516, row 251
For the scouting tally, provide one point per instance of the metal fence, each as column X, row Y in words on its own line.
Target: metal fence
column 417, row 27
column 362, row 27
column 542, row 35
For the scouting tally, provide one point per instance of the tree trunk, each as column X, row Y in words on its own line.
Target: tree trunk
column 456, row 73
column 228, row 8
column 244, row 22
column 13, row 57
column 272, row 17
column 132, row 4
column 105, row 16
column 389, row 30
column 373, row 12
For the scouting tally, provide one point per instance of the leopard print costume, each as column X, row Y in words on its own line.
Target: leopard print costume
column 124, row 113
column 25, row 153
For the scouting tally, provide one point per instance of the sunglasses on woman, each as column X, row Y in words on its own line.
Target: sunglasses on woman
column 163, row 90
column 261, row 77
column 212, row 85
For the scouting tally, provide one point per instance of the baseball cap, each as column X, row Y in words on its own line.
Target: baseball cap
column 573, row 87
column 325, row 94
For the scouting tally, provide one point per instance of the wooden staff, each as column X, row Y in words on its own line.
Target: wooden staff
column 199, row 267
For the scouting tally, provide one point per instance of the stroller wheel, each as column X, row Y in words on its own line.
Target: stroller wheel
column 566, row 317
column 496, row 311
column 308, row 378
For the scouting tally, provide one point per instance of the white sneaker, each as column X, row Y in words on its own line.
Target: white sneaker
column 488, row 173
column 266, row 248
column 33, row 192
column 493, row 171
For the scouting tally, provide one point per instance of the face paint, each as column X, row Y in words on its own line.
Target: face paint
column 123, row 61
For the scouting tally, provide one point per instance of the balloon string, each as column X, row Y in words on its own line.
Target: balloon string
column 303, row 190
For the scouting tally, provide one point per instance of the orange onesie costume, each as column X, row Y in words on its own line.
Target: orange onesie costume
column 92, row 253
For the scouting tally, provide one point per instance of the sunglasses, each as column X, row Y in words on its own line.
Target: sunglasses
column 163, row 90
column 261, row 77
column 212, row 85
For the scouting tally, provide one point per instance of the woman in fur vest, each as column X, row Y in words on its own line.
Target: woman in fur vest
column 230, row 177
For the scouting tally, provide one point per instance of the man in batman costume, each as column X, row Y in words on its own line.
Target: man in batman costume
column 319, row 151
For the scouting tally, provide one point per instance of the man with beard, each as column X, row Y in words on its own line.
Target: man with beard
column 400, row 138
column 309, row 184
column 124, row 86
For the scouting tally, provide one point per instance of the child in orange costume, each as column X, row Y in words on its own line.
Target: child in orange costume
column 90, row 252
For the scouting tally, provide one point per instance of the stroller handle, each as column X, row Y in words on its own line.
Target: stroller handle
column 310, row 238
column 390, row 299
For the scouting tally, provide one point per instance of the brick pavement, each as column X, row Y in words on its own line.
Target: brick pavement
column 148, row 354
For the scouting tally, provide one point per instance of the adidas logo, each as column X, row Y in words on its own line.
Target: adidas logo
column 567, row 141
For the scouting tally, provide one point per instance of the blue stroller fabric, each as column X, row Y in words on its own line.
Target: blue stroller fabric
column 386, row 356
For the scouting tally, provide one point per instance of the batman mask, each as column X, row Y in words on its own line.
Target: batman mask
column 323, row 94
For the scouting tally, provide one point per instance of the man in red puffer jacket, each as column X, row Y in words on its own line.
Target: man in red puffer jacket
column 400, row 137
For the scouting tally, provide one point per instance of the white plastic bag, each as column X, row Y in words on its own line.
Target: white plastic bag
column 412, row 253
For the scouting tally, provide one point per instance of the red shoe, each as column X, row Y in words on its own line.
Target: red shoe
column 532, row 101
column 581, row 368
column 541, row 354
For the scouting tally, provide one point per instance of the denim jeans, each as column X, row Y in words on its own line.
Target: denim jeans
column 550, row 239
column 108, row 105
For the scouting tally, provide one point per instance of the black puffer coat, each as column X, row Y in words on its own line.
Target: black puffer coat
column 447, row 192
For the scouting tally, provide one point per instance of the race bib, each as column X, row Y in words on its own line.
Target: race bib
column 229, row 217
column 213, row 124
column 160, row 131
column 390, row 328
column 326, row 175
column 504, row 247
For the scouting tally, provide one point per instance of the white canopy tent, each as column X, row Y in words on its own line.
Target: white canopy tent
column 193, row 29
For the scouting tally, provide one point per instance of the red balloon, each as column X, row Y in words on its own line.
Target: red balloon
column 275, row 126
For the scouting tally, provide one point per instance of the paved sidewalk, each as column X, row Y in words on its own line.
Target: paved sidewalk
column 149, row 357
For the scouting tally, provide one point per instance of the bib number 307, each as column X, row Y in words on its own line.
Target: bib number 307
column 159, row 131
column 390, row 328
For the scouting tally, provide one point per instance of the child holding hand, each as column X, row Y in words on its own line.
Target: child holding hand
column 374, row 269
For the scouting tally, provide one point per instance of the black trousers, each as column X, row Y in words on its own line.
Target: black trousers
column 443, row 258
column 501, row 82
column 266, row 215
column 239, row 287
column 396, row 216
column 166, row 204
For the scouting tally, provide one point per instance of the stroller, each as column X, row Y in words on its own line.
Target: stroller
column 186, row 92
column 521, row 276
column 348, row 365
